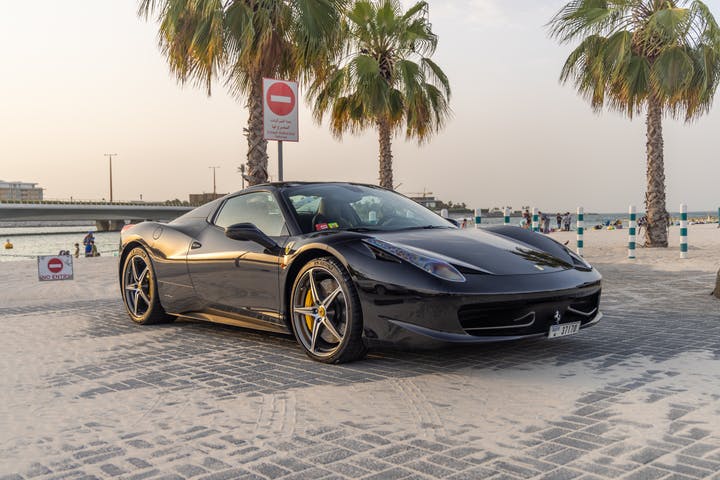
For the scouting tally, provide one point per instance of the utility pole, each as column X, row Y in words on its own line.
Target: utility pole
column 214, row 187
column 110, row 156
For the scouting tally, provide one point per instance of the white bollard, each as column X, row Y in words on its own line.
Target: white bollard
column 478, row 217
column 535, row 220
column 580, row 230
column 632, row 229
column 506, row 216
column 683, row 231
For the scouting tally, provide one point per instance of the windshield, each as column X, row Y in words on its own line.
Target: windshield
column 356, row 207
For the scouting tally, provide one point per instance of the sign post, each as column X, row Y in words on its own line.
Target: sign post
column 55, row 267
column 280, row 114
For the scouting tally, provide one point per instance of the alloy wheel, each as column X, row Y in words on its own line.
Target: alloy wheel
column 137, row 286
column 320, row 312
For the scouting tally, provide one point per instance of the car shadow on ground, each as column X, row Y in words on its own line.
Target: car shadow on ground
column 646, row 313
column 230, row 361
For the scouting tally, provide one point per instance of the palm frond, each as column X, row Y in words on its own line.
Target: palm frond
column 634, row 50
column 386, row 69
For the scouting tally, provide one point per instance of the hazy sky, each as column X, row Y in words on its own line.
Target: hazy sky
column 82, row 78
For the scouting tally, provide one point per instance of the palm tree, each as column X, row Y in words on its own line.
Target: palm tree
column 241, row 41
column 385, row 78
column 658, row 55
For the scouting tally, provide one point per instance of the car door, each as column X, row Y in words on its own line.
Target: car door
column 240, row 277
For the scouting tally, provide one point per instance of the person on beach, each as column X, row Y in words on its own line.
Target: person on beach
column 93, row 249
column 464, row 223
column 544, row 222
column 8, row 244
column 88, row 238
column 88, row 248
column 77, row 250
column 559, row 219
column 526, row 218
column 642, row 222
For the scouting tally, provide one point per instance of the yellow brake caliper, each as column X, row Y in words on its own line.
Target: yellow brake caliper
column 309, row 303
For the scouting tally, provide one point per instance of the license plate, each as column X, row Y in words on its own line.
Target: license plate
column 564, row 329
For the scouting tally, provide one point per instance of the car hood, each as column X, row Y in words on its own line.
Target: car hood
column 477, row 249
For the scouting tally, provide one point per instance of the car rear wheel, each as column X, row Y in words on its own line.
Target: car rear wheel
column 326, row 314
column 139, row 289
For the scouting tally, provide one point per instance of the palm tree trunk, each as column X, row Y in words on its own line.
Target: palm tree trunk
column 657, row 216
column 386, row 157
column 257, row 158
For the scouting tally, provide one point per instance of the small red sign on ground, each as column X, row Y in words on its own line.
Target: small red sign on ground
column 55, row 265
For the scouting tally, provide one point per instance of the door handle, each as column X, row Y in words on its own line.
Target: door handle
column 195, row 245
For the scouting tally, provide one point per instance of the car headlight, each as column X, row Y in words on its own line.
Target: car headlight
column 433, row 266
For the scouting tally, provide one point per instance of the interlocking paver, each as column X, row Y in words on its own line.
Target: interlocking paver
column 194, row 400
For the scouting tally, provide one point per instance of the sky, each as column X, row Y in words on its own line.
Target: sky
column 83, row 78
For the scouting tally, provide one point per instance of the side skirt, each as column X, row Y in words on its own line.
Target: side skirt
column 235, row 321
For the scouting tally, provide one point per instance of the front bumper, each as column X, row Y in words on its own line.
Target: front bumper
column 413, row 336
column 487, row 309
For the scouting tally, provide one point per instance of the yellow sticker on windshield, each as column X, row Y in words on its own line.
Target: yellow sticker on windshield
column 333, row 225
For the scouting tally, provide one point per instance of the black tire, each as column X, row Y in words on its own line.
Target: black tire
column 141, row 301
column 343, row 312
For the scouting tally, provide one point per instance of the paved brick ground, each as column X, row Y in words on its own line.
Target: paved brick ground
column 636, row 397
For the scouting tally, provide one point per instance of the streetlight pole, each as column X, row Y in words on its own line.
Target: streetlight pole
column 214, row 186
column 242, row 177
column 110, row 156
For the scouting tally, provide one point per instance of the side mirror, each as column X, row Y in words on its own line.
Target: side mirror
column 249, row 232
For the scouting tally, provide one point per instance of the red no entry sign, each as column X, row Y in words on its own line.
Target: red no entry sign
column 280, row 110
column 55, row 265
column 280, row 99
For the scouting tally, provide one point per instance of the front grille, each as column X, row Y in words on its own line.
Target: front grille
column 526, row 317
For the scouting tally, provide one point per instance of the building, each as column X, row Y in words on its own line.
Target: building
column 425, row 201
column 20, row 192
column 197, row 199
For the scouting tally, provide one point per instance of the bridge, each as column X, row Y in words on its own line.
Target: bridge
column 107, row 216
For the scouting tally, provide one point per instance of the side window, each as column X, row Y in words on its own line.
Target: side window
column 259, row 208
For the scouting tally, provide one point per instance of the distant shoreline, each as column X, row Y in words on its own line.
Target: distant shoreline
column 48, row 223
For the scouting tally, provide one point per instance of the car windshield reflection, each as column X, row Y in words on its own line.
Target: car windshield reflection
column 357, row 208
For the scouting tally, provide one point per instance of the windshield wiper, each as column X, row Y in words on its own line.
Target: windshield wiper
column 426, row 227
column 361, row 229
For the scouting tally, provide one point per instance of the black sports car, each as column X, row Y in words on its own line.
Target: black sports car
column 346, row 266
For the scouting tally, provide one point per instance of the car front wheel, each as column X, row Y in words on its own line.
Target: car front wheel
column 326, row 314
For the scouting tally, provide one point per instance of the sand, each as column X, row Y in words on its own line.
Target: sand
column 610, row 247
column 94, row 278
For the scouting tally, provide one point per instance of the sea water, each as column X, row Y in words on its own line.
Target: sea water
column 29, row 242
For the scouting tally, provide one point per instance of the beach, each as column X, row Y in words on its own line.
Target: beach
column 84, row 392
column 610, row 247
